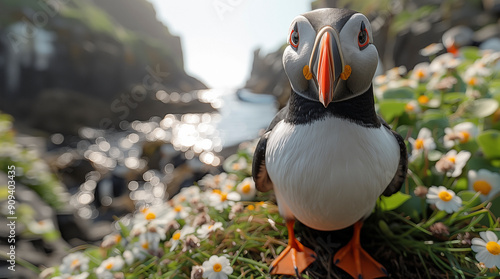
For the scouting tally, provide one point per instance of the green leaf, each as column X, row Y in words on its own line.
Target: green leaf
column 399, row 93
column 390, row 109
column 461, row 185
column 470, row 53
column 393, row 202
column 489, row 141
column 434, row 155
column 483, row 107
column 435, row 120
column 454, row 97
column 467, row 197
column 125, row 231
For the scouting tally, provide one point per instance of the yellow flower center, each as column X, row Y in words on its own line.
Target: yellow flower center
column 176, row 236
column 493, row 247
column 75, row 263
column 178, row 208
column 118, row 238
column 419, row 144
column 217, row 179
column 409, row 107
column 223, row 197
column 464, row 136
column 423, row 99
column 472, row 81
column 217, row 267
column 251, row 207
column 246, row 188
column 482, row 186
column 236, row 166
column 109, row 266
column 150, row 216
column 216, row 191
column 145, row 246
column 452, row 159
column 420, row 74
column 445, row 196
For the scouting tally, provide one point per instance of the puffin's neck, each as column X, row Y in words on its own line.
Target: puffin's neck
column 359, row 110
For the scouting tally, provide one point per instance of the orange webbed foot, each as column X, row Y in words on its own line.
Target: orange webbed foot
column 295, row 258
column 353, row 259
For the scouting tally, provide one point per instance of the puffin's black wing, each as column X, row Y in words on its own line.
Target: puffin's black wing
column 400, row 176
column 259, row 172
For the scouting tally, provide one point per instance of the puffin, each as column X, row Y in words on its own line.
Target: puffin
column 327, row 155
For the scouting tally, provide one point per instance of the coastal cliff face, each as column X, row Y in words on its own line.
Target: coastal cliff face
column 60, row 55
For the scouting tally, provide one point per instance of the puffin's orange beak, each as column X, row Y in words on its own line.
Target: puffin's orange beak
column 326, row 72
column 326, row 64
column 453, row 49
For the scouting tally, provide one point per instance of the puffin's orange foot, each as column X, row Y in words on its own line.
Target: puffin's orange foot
column 295, row 258
column 292, row 261
column 353, row 259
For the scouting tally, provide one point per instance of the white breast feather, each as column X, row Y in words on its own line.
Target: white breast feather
column 329, row 174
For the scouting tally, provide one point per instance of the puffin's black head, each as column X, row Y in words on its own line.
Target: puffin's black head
column 330, row 55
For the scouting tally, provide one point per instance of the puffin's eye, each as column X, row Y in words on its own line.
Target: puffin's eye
column 294, row 37
column 363, row 38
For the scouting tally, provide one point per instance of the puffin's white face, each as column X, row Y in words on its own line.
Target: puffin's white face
column 327, row 64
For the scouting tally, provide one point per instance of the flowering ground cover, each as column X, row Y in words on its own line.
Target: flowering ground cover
column 443, row 223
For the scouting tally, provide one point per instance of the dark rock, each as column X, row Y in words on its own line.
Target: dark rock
column 268, row 76
column 92, row 58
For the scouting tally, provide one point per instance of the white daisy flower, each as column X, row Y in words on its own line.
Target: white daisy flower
column 206, row 229
column 460, row 133
column 485, row 182
column 217, row 268
column 151, row 219
column 221, row 200
column 421, row 72
column 413, row 106
column 128, row 256
column 452, row 162
column 136, row 252
column 74, row 262
column 105, row 270
column 112, row 239
column 444, row 62
column 187, row 194
column 180, row 235
column 431, row 49
column 444, row 199
column 487, row 249
column 213, row 181
column 41, row 227
column 246, row 189
column 179, row 212
column 240, row 165
column 424, row 141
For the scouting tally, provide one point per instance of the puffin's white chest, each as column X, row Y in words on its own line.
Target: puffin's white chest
column 329, row 174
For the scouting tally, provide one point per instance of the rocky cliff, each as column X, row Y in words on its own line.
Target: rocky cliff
column 96, row 56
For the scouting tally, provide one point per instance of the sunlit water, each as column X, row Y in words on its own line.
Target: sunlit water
column 200, row 137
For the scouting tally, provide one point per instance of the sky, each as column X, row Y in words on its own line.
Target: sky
column 219, row 37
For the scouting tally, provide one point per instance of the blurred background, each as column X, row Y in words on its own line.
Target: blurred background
column 109, row 105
